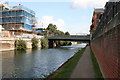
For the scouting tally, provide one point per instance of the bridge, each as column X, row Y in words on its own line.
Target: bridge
column 80, row 38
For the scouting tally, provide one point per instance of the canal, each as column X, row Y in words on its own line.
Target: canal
column 36, row 63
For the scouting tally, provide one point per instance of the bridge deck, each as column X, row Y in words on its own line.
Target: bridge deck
column 70, row 37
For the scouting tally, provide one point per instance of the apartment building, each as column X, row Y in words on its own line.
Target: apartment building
column 17, row 19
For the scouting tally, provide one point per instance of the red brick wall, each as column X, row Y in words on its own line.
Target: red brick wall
column 107, row 51
column 119, row 51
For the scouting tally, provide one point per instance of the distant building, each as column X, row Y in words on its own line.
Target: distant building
column 96, row 19
column 105, row 16
column 17, row 19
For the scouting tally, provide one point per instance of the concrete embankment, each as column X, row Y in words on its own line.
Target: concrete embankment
column 8, row 43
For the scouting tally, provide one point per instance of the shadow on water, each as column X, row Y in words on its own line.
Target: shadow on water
column 27, row 51
column 34, row 49
column 20, row 52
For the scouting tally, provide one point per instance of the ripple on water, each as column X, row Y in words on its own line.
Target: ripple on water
column 37, row 63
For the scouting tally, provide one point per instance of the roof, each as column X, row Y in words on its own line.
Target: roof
column 18, row 7
column 23, row 7
column 113, row 0
column 99, row 10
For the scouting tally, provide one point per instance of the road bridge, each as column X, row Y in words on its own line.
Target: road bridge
column 80, row 38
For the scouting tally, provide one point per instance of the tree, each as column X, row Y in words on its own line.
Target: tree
column 40, row 33
column 44, row 43
column 35, row 42
column 58, row 32
column 40, row 29
column 51, row 29
column 67, row 33
column 20, row 44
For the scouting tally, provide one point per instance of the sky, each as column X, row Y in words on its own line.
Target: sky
column 73, row 16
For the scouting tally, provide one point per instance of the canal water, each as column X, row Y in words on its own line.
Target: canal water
column 36, row 63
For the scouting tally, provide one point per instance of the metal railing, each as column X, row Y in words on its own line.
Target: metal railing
column 84, row 37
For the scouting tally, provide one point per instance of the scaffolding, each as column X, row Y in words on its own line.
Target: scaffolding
column 17, row 17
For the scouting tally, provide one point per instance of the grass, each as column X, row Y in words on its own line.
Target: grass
column 96, row 67
column 65, row 71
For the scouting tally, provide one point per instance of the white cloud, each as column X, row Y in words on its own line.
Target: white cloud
column 50, row 0
column 46, row 20
column 88, row 3
column 84, row 29
column 60, row 24
column 36, row 0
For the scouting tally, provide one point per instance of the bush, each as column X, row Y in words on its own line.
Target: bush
column 35, row 42
column 62, row 43
column 40, row 33
column 44, row 43
column 20, row 45
column 67, row 43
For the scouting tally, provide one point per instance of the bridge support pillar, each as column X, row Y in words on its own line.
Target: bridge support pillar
column 51, row 44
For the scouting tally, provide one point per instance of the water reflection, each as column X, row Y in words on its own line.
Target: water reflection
column 34, row 63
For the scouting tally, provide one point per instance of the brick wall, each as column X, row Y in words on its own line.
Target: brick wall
column 107, row 51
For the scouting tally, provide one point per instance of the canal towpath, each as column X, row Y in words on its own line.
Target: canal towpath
column 84, row 68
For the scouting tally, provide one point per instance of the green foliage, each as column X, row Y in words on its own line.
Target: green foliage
column 41, row 29
column 98, row 73
column 35, row 42
column 62, row 43
column 44, row 43
column 40, row 33
column 67, row 33
column 20, row 44
column 51, row 29
column 66, row 43
column 58, row 32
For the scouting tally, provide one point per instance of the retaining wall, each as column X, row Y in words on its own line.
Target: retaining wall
column 107, row 51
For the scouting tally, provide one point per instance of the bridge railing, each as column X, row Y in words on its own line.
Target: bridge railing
column 87, row 37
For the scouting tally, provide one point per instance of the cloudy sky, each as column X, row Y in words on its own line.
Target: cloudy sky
column 73, row 16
